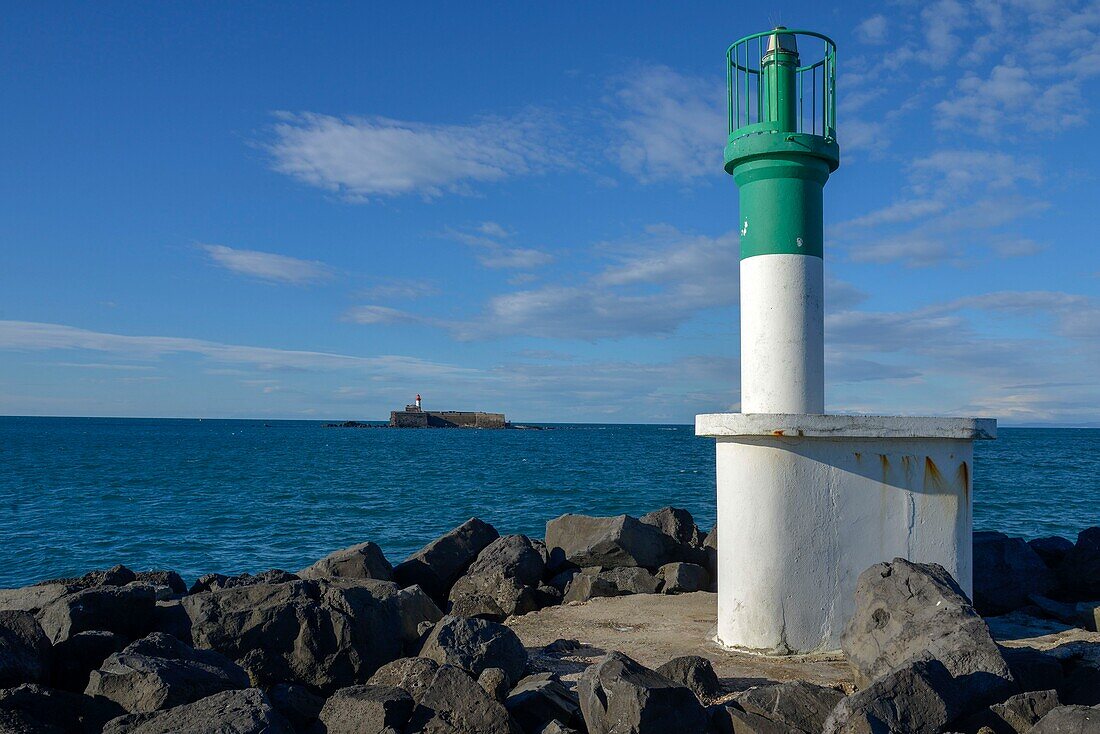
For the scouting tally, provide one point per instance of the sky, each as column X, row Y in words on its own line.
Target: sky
column 318, row 210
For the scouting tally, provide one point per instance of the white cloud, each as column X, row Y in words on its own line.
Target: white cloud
column 1047, row 53
column 492, row 229
column 489, row 239
column 952, row 205
column 873, row 30
column 671, row 126
column 522, row 258
column 268, row 266
column 937, row 361
column 942, row 21
column 363, row 157
column 653, row 284
column 33, row 336
column 372, row 314
column 405, row 289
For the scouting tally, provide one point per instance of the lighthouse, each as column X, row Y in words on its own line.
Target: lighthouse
column 780, row 169
column 808, row 500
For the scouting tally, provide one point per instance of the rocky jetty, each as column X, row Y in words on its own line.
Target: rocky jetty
column 355, row 644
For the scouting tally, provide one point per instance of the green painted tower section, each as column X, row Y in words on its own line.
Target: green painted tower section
column 782, row 139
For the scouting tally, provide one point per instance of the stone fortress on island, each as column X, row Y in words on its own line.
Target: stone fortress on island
column 414, row 416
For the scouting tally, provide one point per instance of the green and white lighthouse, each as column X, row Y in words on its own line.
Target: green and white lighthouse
column 807, row 501
column 781, row 149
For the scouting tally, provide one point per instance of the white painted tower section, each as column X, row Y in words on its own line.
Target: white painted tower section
column 782, row 334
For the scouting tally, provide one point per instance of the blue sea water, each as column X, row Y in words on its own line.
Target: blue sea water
column 233, row 496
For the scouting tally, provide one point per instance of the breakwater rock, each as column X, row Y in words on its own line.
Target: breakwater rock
column 355, row 644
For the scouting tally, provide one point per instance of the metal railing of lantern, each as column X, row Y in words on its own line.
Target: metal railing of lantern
column 815, row 84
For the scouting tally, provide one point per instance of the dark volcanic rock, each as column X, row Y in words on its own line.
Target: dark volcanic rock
column 374, row 709
column 631, row 580
column 1069, row 720
column 548, row 596
column 511, row 556
column 1052, row 549
column 413, row 675
column 239, row 712
column 916, row 698
column 904, row 609
column 417, row 611
column 1032, row 669
column 610, row 542
column 694, row 672
column 476, row 644
column 168, row 580
column 561, row 579
column 115, row 576
column 297, row 704
column 82, row 653
column 492, row 596
column 159, row 672
column 33, row 709
column 325, row 634
column 556, row 727
column 795, row 706
column 127, row 610
column 1081, row 685
column 495, row 682
column 33, row 599
column 502, row 582
column 585, row 586
column 710, row 548
column 1006, row 572
column 24, row 650
column 218, row 581
column 437, row 566
column 363, row 561
column 683, row 578
column 1079, row 571
column 1022, row 711
column 455, row 704
column 618, row 695
column 677, row 523
column 539, row 699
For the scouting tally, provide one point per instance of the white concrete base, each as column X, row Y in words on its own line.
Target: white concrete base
column 807, row 502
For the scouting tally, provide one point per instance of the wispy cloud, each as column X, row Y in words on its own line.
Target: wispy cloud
column 953, row 208
column 268, row 266
column 364, row 157
column 371, row 314
column 405, row 289
column 652, row 284
column 936, row 358
column 29, row 336
column 873, row 30
column 494, row 248
column 667, row 124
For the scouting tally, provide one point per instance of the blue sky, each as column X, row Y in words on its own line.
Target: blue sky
column 319, row 210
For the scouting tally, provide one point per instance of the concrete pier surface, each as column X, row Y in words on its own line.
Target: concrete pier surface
column 654, row 628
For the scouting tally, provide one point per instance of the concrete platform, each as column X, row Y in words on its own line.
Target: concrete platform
column 653, row 629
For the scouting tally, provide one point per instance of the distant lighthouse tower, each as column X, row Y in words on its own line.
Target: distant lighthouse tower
column 807, row 501
column 418, row 401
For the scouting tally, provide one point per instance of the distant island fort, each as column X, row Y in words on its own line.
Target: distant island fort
column 414, row 416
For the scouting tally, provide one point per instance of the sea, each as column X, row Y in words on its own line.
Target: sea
column 232, row 496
